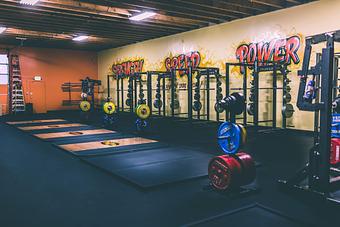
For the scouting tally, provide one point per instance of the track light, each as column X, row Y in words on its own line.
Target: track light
column 29, row 2
column 80, row 38
column 2, row 29
column 142, row 16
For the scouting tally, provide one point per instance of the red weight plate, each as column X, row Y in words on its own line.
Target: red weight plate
column 224, row 172
column 248, row 167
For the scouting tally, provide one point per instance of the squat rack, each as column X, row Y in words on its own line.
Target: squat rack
column 318, row 177
column 257, row 69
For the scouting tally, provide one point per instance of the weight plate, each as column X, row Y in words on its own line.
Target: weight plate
column 143, row 111
column 83, row 95
column 141, row 101
column 288, row 88
column 158, row 103
column 129, row 95
column 196, row 90
column 288, row 110
column 238, row 106
column 243, row 134
column 219, row 96
column 128, row 102
column 158, row 96
column 219, row 90
column 229, row 137
column 175, row 105
column 252, row 97
column 197, row 106
column 109, row 108
column 197, row 96
column 141, row 95
column 224, row 172
column 85, row 106
column 140, row 124
column 248, row 168
column 287, row 97
column 218, row 107
column 219, row 83
column 250, row 109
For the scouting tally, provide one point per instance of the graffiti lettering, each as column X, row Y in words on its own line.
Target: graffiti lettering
column 183, row 61
column 128, row 67
column 277, row 50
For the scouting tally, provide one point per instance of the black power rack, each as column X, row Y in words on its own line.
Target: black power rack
column 318, row 177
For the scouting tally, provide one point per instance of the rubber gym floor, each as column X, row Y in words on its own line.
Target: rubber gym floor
column 43, row 186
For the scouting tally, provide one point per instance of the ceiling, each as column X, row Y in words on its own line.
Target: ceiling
column 53, row 23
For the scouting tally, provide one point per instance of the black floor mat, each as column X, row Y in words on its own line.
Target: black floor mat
column 151, row 168
column 252, row 215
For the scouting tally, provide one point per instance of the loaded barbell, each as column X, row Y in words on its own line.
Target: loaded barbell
column 234, row 103
column 231, row 171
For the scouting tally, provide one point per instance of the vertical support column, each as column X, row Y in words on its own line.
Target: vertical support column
column 256, row 93
column 108, row 86
column 149, row 90
column 122, row 91
column 274, row 101
column 164, row 93
column 190, row 93
column 208, row 94
column 135, row 96
column 227, row 80
column 284, row 91
column 317, row 100
column 173, row 75
column 321, row 179
column 245, row 86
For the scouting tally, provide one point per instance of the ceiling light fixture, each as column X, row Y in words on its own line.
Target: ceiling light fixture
column 2, row 29
column 80, row 38
column 142, row 16
column 29, row 2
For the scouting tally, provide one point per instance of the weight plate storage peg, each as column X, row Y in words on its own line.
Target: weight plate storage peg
column 85, row 106
column 143, row 111
column 288, row 110
column 109, row 108
column 229, row 137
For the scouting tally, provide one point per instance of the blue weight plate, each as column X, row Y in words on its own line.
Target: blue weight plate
column 229, row 137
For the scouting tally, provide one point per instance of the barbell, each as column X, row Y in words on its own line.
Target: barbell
column 233, row 103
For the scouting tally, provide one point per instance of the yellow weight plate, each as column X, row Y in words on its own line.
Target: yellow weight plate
column 244, row 133
column 85, row 106
column 143, row 111
column 109, row 108
column 110, row 143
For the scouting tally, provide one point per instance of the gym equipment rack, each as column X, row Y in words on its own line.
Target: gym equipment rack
column 257, row 68
column 317, row 177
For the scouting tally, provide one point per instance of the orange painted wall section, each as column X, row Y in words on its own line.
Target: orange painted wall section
column 3, row 98
column 56, row 67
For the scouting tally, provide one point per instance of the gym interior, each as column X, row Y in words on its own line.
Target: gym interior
column 169, row 113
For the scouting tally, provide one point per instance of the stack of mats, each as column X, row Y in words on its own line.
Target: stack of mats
column 141, row 161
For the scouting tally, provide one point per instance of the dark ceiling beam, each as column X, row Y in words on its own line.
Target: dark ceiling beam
column 86, row 17
column 278, row 4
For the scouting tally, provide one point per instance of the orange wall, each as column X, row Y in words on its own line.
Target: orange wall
column 56, row 67
column 3, row 98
